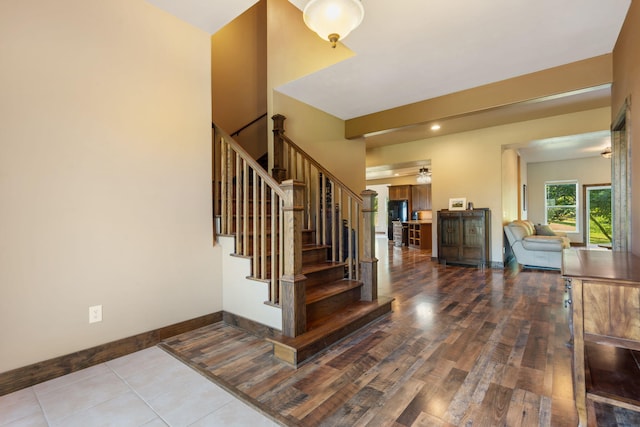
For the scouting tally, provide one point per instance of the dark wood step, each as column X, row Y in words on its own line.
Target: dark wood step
column 323, row 272
column 308, row 236
column 313, row 254
column 325, row 332
column 324, row 300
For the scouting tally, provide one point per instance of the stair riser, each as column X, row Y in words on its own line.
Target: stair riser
column 308, row 237
column 325, row 276
column 295, row 358
column 338, row 335
column 329, row 305
column 316, row 278
column 315, row 256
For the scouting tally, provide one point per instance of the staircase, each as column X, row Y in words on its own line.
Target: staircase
column 333, row 304
column 303, row 238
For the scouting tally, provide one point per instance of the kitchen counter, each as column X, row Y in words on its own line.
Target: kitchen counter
column 419, row 233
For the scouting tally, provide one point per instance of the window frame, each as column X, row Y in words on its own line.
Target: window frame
column 576, row 206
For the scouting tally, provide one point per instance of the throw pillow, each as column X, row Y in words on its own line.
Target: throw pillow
column 544, row 230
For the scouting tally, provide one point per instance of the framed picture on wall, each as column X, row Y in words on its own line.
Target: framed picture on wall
column 457, row 204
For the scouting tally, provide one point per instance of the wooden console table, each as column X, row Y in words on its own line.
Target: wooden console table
column 605, row 296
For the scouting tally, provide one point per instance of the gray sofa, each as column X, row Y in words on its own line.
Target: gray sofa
column 535, row 250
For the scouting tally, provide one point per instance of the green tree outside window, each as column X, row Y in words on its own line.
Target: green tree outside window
column 561, row 205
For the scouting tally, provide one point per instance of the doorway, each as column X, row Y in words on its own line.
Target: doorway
column 597, row 215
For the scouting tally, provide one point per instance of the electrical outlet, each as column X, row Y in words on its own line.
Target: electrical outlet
column 95, row 314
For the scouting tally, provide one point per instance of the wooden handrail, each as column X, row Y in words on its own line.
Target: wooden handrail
column 257, row 119
column 322, row 169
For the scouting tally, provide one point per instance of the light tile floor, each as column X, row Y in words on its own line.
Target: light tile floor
column 148, row 388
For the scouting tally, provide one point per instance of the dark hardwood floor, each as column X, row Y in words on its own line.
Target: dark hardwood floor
column 464, row 346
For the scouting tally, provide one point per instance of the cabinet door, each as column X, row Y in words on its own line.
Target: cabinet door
column 421, row 197
column 450, row 235
column 427, row 197
column 400, row 192
column 611, row 310
column 473, row 244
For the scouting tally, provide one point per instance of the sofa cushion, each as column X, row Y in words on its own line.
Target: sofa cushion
column 544, row 230
column 520, row 229
column 545, row 243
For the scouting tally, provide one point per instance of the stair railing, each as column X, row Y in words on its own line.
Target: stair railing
column 248, row 125
column 330, row 207
column 248, row 205
column 266, row 217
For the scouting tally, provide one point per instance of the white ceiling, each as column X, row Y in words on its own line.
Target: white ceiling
column 565, row 147
column 208, row 15
column 411, row 50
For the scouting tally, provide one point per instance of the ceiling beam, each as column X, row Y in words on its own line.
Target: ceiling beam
column 588, row 73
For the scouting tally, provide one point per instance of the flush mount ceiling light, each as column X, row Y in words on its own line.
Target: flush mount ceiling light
column 606, row 153
column 424, row 176
column 333, row 20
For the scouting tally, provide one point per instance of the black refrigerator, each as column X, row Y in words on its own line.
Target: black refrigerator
column 397, row 210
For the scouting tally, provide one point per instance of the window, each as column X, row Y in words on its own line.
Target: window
column 561, row 205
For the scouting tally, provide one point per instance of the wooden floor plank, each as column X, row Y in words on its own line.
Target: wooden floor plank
column 463, row 346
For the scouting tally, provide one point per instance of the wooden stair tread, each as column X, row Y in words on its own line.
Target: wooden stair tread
column 312, row 268
column 348, row 314
column 326, row 331
column 314, row 246
column 320, row 292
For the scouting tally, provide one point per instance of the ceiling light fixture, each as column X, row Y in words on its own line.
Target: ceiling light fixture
column 333, row 20
column 435, row 127
column 606, row 153
column 424, row 176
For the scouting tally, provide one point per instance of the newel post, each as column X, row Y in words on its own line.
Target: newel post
column 369, row 263
column 278, row 172
column 292, row 282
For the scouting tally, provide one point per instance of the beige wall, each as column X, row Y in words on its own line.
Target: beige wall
column 510, row 187
column 295, row 51
column 469, row 164
column 590, row 170
column 239, row 78
column 105, row 175
column 322, row 137
column 626, row 77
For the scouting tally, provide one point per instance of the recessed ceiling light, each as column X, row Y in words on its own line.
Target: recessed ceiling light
column 435, row 127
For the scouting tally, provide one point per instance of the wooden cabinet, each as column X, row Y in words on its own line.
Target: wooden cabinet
column 605, row 311
column 464, row 237
column 418, row 196
column 400, row 192
column 420, row 235
column 421, row 197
